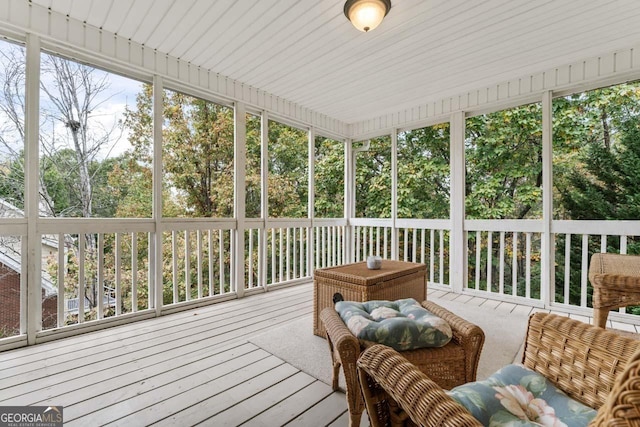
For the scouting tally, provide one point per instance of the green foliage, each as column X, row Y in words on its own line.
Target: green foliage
column 423, row 173
column 329, row 178
column 198, row 155
column 288, row 171
column 373, row 180
column 504, row 164
column 608, row 185
column 253, row 176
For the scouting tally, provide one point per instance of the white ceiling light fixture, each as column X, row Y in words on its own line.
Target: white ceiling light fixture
column 366, row 15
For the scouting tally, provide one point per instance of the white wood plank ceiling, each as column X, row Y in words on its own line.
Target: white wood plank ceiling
column 307, row 52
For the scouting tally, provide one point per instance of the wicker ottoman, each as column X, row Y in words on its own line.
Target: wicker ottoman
column 355, row 282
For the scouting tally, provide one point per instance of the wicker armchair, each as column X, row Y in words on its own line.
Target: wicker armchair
column 454, row 364
column 616, row 283
column 594, row 366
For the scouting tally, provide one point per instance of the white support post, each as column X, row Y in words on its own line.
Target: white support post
column 239, row 194
column 33, row 247
column 311, row 201
column 547, row 285
column 457, row 240
column 155, row 263
column 349, row 199
column 264, row 194
column 394, row 195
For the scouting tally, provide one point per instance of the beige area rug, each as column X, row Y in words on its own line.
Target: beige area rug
column 296, row 344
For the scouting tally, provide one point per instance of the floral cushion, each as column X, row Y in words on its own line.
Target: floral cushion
column 402, row 324
column 518, row 396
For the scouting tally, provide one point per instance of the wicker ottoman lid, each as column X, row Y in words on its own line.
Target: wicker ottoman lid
column 358, row 273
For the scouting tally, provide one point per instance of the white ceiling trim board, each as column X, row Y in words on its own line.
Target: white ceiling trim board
column 611, row 68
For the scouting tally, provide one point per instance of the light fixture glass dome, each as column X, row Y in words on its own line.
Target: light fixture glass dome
column 366, row 15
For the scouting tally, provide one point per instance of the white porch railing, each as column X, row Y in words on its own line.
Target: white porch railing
column 503, row 258
column 114, row 258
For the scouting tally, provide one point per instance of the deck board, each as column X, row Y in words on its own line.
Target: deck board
column 323, row 413
column 260, row 402
column 292, row 406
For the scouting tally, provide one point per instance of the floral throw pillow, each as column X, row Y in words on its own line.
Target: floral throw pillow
column 517, row 396
column 402, row 324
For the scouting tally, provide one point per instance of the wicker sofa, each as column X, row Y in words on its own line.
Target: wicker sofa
column 596, row 367
column 454, row 364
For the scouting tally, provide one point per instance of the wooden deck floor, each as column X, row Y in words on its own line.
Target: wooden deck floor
column 190, row 368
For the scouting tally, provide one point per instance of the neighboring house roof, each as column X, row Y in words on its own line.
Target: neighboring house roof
column 11, row 258
column 10, row 254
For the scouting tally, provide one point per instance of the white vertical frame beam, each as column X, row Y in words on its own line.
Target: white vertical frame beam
column 239, row 194
column 264, row 194
column 394, row 196
column 547, row 262
column 457, row 241
column 33, row 246
column 312, row 202
column 155, row 263
column 349, row 199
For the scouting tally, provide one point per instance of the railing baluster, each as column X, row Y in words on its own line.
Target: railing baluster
column 357, row 254
column 250, row 278
column 134, row 272
column 303, row 252
column 501, row 283
column 585, row 262
column 414, row 256
column 623, row 250
column 385, row 243
column 371, row 241
column 334, row 245
column 211, row 264
column 441, row 256
column 432, row 256
column 221, row 259
column 118, row 268
column 294, row 259
column 187, row 266
column 280, row 254
column 365, row 240
column 422, row 233
column 514, row 265
column 199, row 261
column 174, row 262
column 567, row 267
column 528, row 266
column 81, row 284
column 273, row 256
column 323, row 245
column 288, row 255
column 489, row 260
column 405, row 236
column 478, row 258
column 61, row 270
column 316, row 237
column 341, row 241
column 365, row 243
column 603, row 243
column 100, row 276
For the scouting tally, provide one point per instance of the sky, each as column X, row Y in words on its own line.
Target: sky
column 110, row 106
